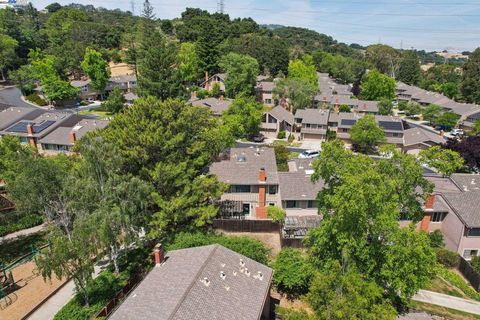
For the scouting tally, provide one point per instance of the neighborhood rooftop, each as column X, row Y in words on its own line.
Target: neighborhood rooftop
column 209, row 282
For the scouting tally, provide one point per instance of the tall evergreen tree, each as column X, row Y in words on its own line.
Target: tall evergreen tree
column 470, row 87
column 409, row 70
column 147, row 11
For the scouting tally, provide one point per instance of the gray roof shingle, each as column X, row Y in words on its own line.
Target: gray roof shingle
column 61, row 135
column 281, row 114
column 297, row 184
column 466, row 206
column 174, row 290
column 419, row 135
column 314, row 116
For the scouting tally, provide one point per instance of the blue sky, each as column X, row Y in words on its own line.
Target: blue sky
column 423, row 24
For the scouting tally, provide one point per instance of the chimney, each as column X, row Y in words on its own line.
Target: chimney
column 29, row 129
column 158, row 254
column 335, row 107
column 442, row 133
column 427, row 217
column 72, row 137
column 207, row 87
column 262, row 195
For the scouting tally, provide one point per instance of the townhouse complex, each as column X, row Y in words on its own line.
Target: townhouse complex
column 255, row 183
column 50, row 132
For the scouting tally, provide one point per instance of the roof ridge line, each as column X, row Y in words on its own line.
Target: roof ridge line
column 190, row 286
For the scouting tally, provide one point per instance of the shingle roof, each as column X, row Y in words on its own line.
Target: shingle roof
column 315, row 116
column 175, row 290
column 48, row 121
column 267, row 85
column 466, row 206
column 79, row 83
column 61, row 135
column 281, row 114
column 297, row 185
column 466, row 182
column 244, row 165
column 10, row 115
column 217, row 106
column 419, row 135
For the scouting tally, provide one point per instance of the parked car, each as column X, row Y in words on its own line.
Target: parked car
column 308, row 154
column 457, row 132
column 258, row 138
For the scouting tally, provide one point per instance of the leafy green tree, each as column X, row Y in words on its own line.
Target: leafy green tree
column 344, row 108
column 303, row 69
column 96, row 68
column 293, row 272
column 244, row 116
column 159, row 76
column 412, row 108
column 299, row 93
column 13, row 156
column 189, row 63
column 377, row 86
column 450, row 89
column 53, row 7
column 409, row 70
column 385, row 107
column 431, row 113
column 24, row 78
column 115, row 101
column 275, row 213
column 436, row 239
column 470, row 86
column 242, row 72
column 476, row 127
column 215, row 91
column 383, row 58
column 282, row 155
column 444, row 160
column 361, row 204
column 366, row 134
column 337, row 294
column 475, row 263
column 447, row 119
column 170, row 144
column 8, row 55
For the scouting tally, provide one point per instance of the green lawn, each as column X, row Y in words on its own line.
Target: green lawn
column 442, row 311
column 442, row 286
column 96, row 112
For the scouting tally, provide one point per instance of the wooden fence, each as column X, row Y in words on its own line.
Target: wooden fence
column 245, row 225
column 120, row 296
column 469, row 273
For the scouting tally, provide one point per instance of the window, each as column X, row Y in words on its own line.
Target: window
column 468, row 254
column 438, row 216
column 312, row 204
column 268, row 101
column 473, row 232
column 272, row 189
column 271, row 204
column 271, row 119
column 314, row 126
column 240, row 189
column 291, row 204
column 246, row 208
column 23, row 140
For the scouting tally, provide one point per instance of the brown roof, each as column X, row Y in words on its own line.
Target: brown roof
column 177, row 288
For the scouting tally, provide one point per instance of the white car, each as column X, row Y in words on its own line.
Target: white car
column 308, row 154
column 457, row 132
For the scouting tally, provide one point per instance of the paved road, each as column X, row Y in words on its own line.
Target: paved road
column 12, row 96
column 447, row 301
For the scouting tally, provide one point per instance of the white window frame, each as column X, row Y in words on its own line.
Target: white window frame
column 470, row 256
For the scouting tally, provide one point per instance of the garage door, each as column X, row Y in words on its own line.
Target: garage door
column 309, row 136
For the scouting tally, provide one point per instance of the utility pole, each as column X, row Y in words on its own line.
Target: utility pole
column 221, row 6
column 132, row 7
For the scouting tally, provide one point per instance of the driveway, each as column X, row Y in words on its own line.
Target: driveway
column 12, row 96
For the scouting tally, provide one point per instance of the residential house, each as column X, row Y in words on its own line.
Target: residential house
column 470, row 119
column 356, row 105
column 417, row 139
column 393, row 129
column 313, row 123
column 251, row 174
column 216, row 78
column 62, row 139
column 264, row 91
column 208, row 282
column 86, row 90
column 454, row 209
column 10, row 115
column 297, row 191
column 130, row 97
column 126, row 83
column 217, row 106
column 276, row 120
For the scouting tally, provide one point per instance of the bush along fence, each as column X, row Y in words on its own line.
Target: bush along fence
column 469, row 273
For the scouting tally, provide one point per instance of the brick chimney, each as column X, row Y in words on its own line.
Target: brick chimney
column 194, row 94
column 29, row 129
column 441, row 133
column 262, row 195
column 427, row 217
column 158, row 254
column 72, row 137
column 335, row 106
column 260, row 93
column 30, row 138
column 207, row 86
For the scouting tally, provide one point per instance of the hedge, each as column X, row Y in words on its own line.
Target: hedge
column 447, row 258
column 35, row 98
column 25, row 222
column 249, row 247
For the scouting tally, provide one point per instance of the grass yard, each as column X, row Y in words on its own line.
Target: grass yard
column 442, row 286
column 95, row 112
column 15, row 248
column 442, row 311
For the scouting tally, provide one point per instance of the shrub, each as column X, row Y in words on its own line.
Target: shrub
column 292, row 314
column 25, row 222
column 293, row 272
column 35, row 98
column 249, row 247
column 275, row 213
column 436, row 239
column 447, row 258
column 201, row 94
column 475, row 263
column 281, row 135
column 291, row 138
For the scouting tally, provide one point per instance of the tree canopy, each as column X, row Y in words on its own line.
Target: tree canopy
column 446, row 161
column 244, row 116
column 377, row 86
column 470, row 87
column 297, row 93
column 241, row 71
column 366, row 135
